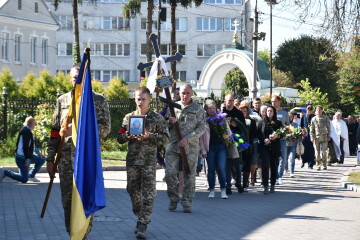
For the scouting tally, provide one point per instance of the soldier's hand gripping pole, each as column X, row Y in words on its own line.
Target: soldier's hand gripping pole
column 57, row 159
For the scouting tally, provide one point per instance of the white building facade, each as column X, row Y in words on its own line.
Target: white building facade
column 118, row 45
column 27, row 37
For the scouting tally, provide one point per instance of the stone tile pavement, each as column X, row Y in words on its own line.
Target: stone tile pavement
column 313, row 205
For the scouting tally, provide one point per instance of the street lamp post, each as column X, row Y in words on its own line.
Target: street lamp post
column 271, row 2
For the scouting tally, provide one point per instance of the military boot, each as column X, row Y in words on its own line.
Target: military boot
column 141, row 231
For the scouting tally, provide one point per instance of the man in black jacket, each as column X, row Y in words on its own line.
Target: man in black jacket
column 25, row 148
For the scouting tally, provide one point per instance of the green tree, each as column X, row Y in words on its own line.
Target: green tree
column 265, row 55
column 349, row 80
column 312, row 58
column 42, row 87
column 26, row 87
column 283, row 79
column 235, row 81
column 97, row 86
column 7, row 80
column 313, row 95
column 116, row 90
column 63, row 82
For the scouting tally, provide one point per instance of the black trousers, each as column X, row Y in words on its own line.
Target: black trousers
column 269, row 160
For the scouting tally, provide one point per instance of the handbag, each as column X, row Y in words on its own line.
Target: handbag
column 300, row 148
column 232, row 151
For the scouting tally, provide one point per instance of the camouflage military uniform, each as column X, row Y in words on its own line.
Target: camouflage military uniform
column 320, row 133
column 191, row 120
column 66, row 164
column 141, row 163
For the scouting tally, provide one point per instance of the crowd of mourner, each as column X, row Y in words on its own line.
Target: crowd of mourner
column 240, row 143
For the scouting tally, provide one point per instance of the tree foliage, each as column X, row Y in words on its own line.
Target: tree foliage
column 97, row 86
column 283, row 79
column 349, row 80
column 235, row 81
column 7, row 80
column 265, row 55
column 312, row 95
column 312, row 58
column 116, row 90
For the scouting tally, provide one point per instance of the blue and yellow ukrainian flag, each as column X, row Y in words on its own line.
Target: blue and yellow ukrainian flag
column 88, row 193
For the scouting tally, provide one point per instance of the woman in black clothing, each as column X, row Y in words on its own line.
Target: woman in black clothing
column 270, row 148
column 248, row 160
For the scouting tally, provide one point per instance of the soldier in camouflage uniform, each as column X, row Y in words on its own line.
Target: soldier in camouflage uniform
column 141, row 158
column 320, row 135
column 191, row 119
column 66, row 163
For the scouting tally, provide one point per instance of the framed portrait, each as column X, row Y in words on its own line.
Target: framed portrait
column 136, row 125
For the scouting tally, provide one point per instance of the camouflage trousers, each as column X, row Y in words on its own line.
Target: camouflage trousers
column 321, row 149
column 66, row 172
column 171, row 176
column 141, row 186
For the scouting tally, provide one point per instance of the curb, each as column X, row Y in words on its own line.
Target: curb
column 44, row 170
column 349, row 185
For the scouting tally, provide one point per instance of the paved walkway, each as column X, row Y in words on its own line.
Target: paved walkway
column 311, row 206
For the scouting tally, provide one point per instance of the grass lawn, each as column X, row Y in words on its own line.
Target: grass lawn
column 108, row 159
column 354, row 177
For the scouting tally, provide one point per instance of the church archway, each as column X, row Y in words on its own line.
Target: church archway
column 215, row 69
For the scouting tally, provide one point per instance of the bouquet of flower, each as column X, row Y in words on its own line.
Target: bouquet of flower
column 293, row 134
column 304, row 132
column 240, row 143
column 281, row 132
column 218, row 124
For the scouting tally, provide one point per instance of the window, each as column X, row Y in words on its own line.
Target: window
column 113, row 49
column 234, row 2
column 180, row 24
column 36, row 7
column 5, row 39
column 95, row 48
column 18, row 48
column 209, row 24
column 66, row 22
column 19, row 4
column 106, row 23
column 181, row 75
column 165, row 49
column 207, row 50
column 45, row 53
column 198, row 73
column 64, row 49
column 33, row 43
column 107, row 75
column 228, row 24
column 96, row 74
column 143, row 24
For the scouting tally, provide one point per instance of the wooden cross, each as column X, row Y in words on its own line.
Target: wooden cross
column 165, row 84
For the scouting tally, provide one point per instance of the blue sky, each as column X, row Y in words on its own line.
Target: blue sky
column 286, row 24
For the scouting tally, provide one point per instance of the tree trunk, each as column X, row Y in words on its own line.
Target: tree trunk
column 149, row 24
column 173, row 38
column 76, row 45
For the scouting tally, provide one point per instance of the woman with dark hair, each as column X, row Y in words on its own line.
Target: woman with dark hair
column 270, row 145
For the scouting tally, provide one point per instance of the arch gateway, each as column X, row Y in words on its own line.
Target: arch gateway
column 214, row 71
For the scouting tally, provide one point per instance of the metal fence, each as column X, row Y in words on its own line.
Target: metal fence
column 14, row 112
